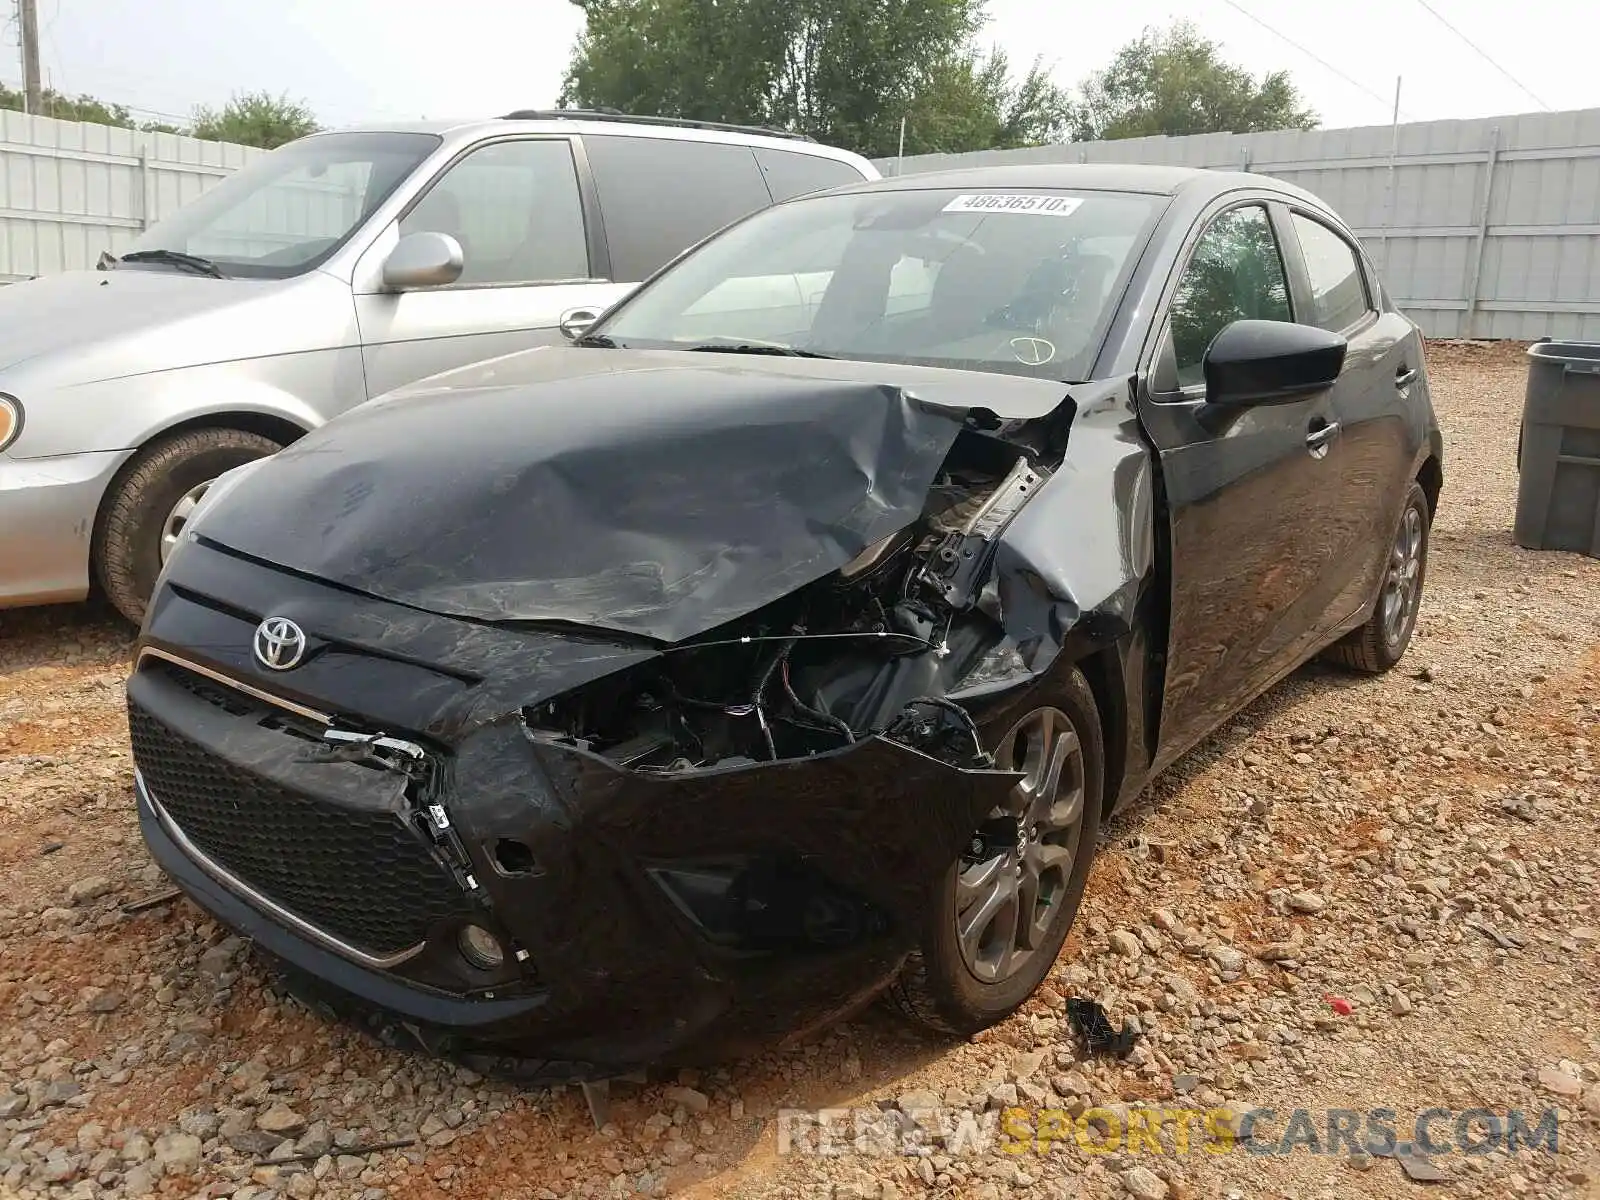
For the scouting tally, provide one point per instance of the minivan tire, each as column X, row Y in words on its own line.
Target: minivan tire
column 127, row 542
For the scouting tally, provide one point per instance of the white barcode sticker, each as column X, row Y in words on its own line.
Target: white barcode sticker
column 993, row 202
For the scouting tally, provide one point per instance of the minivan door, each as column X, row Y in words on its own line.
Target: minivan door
column 516, row 207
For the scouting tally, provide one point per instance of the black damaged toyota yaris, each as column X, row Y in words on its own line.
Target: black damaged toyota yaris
column 788, row 637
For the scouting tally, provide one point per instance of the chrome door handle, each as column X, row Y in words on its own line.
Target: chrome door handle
column 1405, row 377
column 1319, row 439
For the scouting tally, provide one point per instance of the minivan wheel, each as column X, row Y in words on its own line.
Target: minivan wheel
column 1002, row 911
column 149, row 503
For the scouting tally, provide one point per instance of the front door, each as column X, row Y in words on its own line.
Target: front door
column 515, row 208
column 1248, row 492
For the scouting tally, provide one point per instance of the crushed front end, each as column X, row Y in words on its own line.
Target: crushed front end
column 565, row 854
column 537, row 908
column 561, row 834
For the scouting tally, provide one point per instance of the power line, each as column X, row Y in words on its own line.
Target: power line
column 134, row 110
column 1482, row 54
column 1355, row 83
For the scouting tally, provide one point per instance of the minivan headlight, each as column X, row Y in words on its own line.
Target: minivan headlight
column 10, row 420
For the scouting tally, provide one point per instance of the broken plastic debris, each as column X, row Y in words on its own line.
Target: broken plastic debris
column 1094, row 1027
column 1340, row 1005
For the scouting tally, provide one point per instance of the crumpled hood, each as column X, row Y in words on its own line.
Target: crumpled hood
column 655, row 495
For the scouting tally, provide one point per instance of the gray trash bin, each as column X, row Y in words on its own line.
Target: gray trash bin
column 1558, row 457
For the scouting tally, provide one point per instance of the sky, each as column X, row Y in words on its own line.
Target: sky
column 367, row 60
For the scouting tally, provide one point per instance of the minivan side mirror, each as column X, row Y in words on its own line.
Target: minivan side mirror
column 1271, row 362
column 423, row 260
column 575, row 322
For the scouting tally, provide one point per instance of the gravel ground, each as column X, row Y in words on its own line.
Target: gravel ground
column 1362, row 894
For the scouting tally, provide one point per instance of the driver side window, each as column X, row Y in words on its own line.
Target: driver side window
column 1236, row 273
column 515, row 209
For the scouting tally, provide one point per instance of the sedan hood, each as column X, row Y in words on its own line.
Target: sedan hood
column 652, row 495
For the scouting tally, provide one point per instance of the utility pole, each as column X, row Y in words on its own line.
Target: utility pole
column 32, row 89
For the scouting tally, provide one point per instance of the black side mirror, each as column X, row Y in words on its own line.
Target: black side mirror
column 1271, row 362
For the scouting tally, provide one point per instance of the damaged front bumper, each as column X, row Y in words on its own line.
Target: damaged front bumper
column 640, row 918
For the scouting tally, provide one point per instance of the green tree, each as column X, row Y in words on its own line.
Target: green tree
column 973, row 103
column 1176, row 82
column 67, row 108
column 843, row 71
column 255, row 119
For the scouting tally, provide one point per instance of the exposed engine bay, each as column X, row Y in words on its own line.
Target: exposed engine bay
column 872, row 649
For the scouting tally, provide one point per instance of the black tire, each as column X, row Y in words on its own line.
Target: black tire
column 127, row 541
column 936, row 988
column 1375, row 647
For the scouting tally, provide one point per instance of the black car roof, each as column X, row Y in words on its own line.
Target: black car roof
column 1106, row 177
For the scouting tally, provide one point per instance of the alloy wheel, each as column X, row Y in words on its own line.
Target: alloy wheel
column 172, row 528
column 1014, row 876
column 1401, row 585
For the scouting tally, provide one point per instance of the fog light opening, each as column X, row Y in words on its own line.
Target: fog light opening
column 480, row 948
column 514, row 857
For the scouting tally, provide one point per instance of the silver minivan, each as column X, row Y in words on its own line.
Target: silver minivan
column 327, row 272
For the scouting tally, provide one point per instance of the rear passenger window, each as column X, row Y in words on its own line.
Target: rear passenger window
column 1338, row 295
column 1235, row 274
column 661, row 195
column 790, row 174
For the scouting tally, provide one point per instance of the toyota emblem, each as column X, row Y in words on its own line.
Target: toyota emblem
column 280, row 644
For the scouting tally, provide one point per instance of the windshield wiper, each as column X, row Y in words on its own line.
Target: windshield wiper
column 734, row 347
column 177, row 258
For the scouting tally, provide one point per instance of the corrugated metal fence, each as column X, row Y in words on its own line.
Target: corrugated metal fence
column 1485, row 228
column 69, row 191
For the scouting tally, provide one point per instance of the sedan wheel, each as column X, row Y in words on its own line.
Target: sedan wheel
column 999, row 916
column 1402, row 584
column 1018, row 867
column 1380, row 642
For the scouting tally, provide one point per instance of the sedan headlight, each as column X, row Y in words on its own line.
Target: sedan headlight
column 10, row 420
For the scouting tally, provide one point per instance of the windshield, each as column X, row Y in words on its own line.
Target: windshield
column 1021, row 282
column 289, row 210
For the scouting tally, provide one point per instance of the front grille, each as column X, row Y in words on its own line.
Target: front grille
column 363, row 877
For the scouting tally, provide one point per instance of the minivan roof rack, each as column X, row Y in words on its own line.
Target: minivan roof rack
column 612, row 114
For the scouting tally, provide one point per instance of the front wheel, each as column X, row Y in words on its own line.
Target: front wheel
column 150, row 502
column 1002, row 911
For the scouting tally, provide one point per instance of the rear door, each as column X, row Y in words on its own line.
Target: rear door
column 532, row 254
column 659, row 195
column 1249, row 493
column 1372, row 400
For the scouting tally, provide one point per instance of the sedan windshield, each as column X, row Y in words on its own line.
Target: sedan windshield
column 289, row 210
column 1017, row 281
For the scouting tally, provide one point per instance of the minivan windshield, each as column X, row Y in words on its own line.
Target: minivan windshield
column 289, row 210
column 1019, row 281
